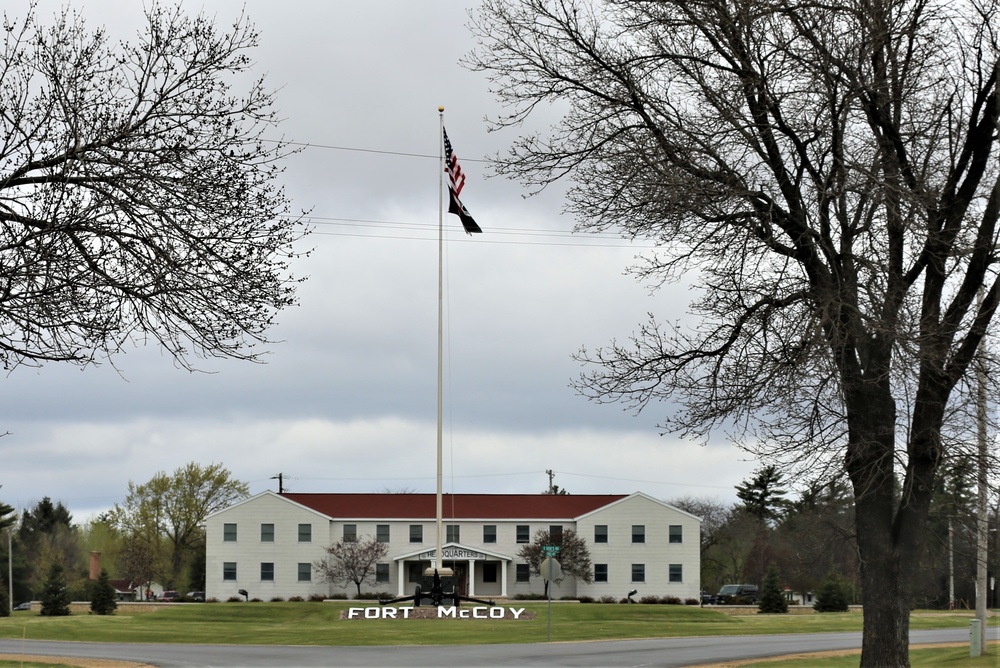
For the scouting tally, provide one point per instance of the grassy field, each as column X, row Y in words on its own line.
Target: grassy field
column 320, row 624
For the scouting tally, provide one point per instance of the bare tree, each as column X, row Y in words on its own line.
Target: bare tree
column 352, row 561
column 573, row 556
column 824, row 172
column 137, row 192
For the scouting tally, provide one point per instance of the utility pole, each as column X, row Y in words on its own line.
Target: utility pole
column 281, row 484
column 551, row 476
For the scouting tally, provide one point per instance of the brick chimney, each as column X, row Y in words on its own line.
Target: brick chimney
column 95, row 565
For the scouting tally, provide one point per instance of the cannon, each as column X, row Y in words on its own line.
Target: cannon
column 436, row 590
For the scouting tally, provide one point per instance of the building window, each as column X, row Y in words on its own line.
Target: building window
column 638, row 533
column 305, row 571
column 600, row 533
column 381, row 572
column 416, row 533
column 489, row 533
column 676, row 572
column 523, row 533
column 305, row 533
column 382, row 533
column 229, row 570
column 676, row 533
column 600, row 572
column 417, row 571
column 267, row 571
column 489, row 572
column 522, row 574
column 555, row 533
column 453, row 534
column 267, row 533
column 229, row 532
column 638, row 572
column 350, row 533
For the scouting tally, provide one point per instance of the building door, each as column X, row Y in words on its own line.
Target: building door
column 461, row 570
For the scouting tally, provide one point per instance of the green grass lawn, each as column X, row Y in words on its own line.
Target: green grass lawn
column 320, row 624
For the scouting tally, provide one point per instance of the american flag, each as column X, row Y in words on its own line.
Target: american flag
column 456, row 181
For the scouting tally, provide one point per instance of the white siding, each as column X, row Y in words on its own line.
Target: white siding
column 248, row 552
column 286, row 552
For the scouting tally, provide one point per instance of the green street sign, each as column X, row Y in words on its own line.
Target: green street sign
column 550, row 550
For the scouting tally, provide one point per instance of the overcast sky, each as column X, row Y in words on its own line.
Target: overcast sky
column 346, row 401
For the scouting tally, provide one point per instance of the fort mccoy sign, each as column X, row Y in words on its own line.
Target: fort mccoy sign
column 439, row 612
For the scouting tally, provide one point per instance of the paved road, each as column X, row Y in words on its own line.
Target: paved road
column 604, row 654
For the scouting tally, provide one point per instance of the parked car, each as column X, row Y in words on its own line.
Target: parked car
column 23, row 606
column 197, row 596
column 738, row 594
column 170, row 596
column 707, row 599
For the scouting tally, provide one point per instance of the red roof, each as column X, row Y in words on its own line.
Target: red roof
column 454, row 506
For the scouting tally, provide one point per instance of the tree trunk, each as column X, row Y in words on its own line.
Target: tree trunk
column 885, row 568
column 885, row 578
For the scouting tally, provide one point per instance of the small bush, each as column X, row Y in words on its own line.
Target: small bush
column 211, row 600
column 832, row 595
column 608, row 599
column 256, row 600
column 319, row 598
column 529, row 597
column 295, row 599
column 650, row 599
column 234, row 599
column 102, row 596
column 692, row 601
column 276, row 599
column 55, row 594
column 585, row 599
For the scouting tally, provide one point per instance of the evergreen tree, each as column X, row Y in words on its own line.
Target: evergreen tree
column 772, row 597
column 102, row 600
column 832, row 595
column 764, row 495
column 55, row 593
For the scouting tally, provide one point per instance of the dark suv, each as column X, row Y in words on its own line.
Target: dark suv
column 737, row 594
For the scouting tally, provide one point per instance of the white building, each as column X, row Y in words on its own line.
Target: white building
column 266, row 545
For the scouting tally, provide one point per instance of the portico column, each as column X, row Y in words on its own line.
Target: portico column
column 472, row 577
column 402, row 572
column 503, row 578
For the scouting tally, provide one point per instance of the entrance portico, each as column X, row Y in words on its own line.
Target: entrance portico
column 472, row 565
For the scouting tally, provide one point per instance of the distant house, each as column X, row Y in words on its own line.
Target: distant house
column 266, row 545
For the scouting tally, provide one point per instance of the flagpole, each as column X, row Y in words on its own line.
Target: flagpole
column 439, row 553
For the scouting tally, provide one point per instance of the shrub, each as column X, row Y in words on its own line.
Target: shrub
column 102, row 599
column 318, row 598
column 256, row 600
column 295, row 599
column 585, row 599
column 234, row 599
column 529, row 597
column 608, row 599
column 276, row 599
column 331, row 597
column 772, row 597
column 832, row 595
column 649, row 599
column 692, row 601
column 55, row 595
column 670, row 600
